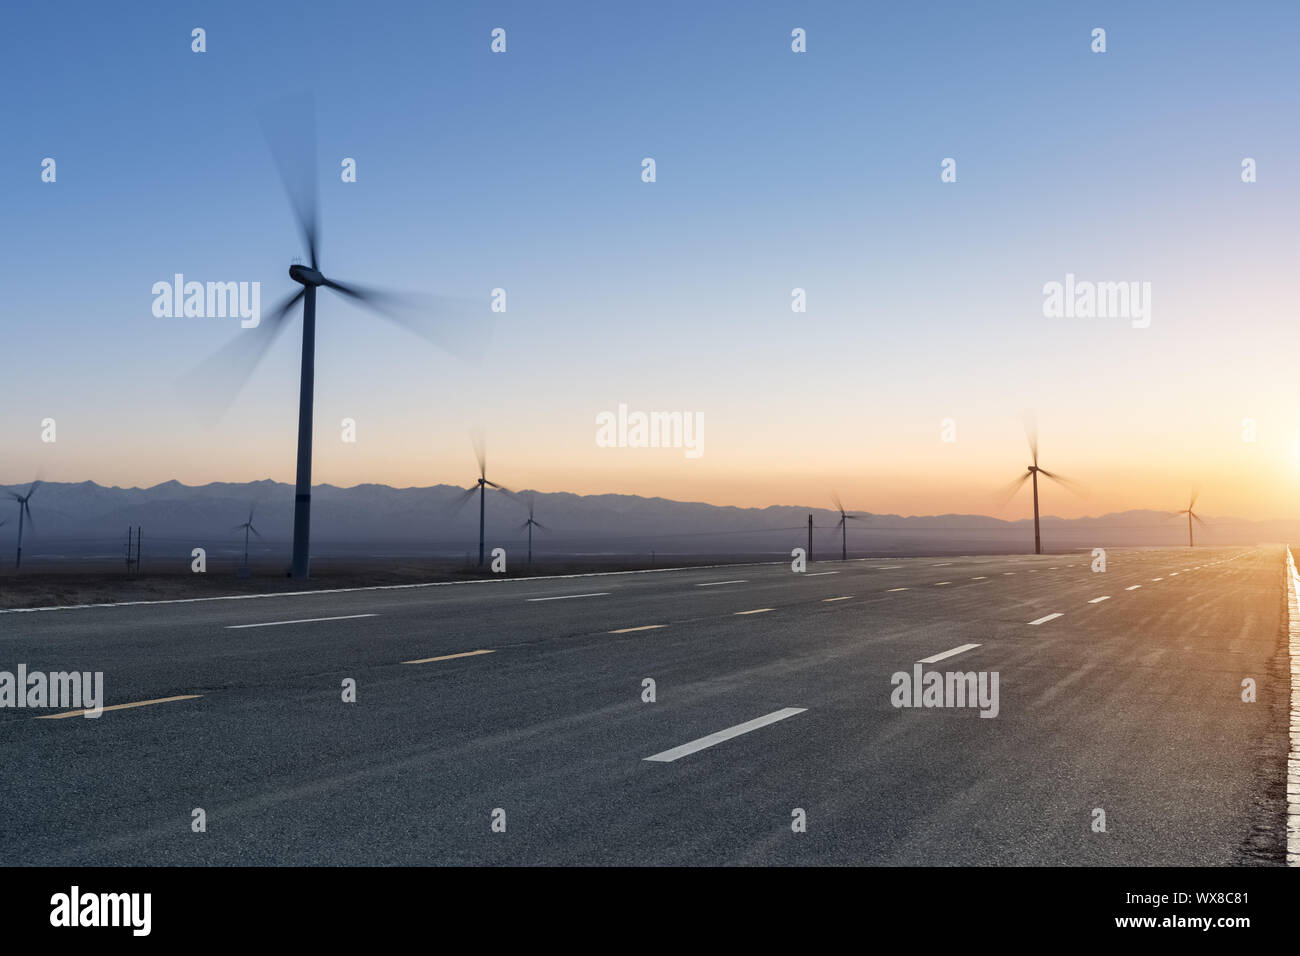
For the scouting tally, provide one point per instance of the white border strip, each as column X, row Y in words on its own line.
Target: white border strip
column 380, row 587
column 1293, row 758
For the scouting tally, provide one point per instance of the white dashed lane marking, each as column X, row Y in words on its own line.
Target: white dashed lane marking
column 1046, row 618
column 952, row 653
column 676, row 753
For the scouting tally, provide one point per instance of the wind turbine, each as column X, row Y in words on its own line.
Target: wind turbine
column 1033, row 471
column 843, row 525
column 246, row 527
column 292, row 139
column 481, row 452
column 530, row 524
column 1190, row 515
column 24, row 510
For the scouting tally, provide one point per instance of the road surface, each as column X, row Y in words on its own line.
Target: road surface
column 772, row 696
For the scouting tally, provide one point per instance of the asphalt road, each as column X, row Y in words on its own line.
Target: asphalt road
column 1131, row 705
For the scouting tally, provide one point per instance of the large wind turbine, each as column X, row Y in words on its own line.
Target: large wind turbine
column 1032, row 472
column 24, row 511
column 530, row 524
column 292, row 138
column 1190, row 515
column 481, row 452
column 843, row 525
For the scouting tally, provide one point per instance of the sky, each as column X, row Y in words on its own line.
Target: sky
column 775, row 170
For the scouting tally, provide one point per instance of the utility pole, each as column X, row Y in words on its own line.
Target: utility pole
column 810, row 537
column 139, row 536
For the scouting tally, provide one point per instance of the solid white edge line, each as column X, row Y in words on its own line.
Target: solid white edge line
column 305, row 620
column 952, row 653
column 566, row 597
column 384, row 587
column 1293, row 758
column 668, row 756
column 714, row 584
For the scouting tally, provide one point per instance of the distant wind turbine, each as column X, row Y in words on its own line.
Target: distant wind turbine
column 843, row 525
column 1033, row 471
column 530, row 524
column 481, row 452
column 24, row 511
column 1190, row 515
column 246, row 527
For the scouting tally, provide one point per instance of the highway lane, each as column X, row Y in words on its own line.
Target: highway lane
column 551, row 726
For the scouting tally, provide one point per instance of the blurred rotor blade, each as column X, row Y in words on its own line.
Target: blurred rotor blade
column 839, row 505
column 840, row 522
column 524, row 526
column 1197, row 519
column 500, row 487
column 31, row 490
column 1031, row 434
column 1069, row 484
column 224, row 373
column 1192, row 504
column 289, row 125
column 1007, row 492
column 853, row 517
column 480, row 452
column 459, row 326
column 540, row 526
column 457, row 504
column 256, row 533
column 30, row 520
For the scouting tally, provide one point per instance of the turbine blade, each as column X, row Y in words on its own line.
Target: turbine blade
column 1031, row 435
column 289, row 125
column 458, row 503
column 458, row 326
column 32, row 490
column 30, row 520
column 1069, row 484
column 539, row 526
column 839, row 505
column 1007, row 492
column 480, row 452
column 1192, row 504
column 256, row 533
column 222, row 375
column 501, row 488
column 1197, row 519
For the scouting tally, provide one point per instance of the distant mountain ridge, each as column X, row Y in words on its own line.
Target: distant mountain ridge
column 86, row 517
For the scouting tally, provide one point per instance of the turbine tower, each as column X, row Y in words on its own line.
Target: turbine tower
column 291, row 136
column 482, row 482
column 246, row 527
column 1032, row 472
column 530, row 524
column 1190, row 515
column 842, row 524
column 24, row 511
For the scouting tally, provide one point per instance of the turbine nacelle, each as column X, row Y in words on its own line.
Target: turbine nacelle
column 305, row 275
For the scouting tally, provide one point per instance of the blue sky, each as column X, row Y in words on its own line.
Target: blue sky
column 775, row 170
